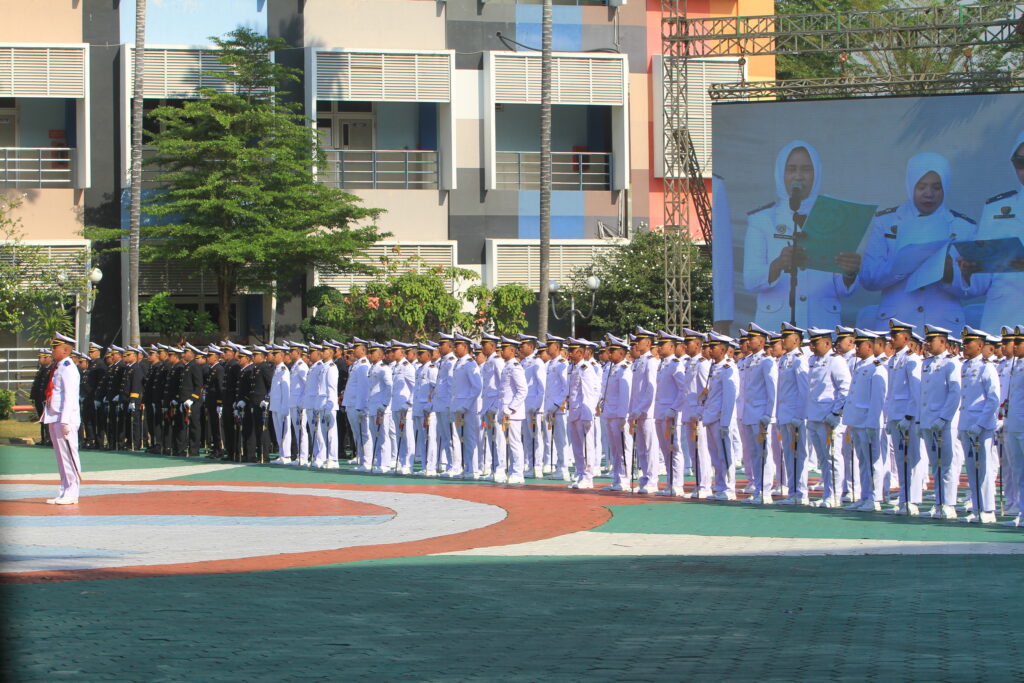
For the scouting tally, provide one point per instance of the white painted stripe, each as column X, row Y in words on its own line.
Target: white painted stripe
column 595, row 543
column 143, row 474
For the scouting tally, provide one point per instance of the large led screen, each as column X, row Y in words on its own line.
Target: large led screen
column 852, row 212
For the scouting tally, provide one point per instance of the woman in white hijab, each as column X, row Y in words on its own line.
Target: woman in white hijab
column 1002, row 216
column 768, row 265
column 908, row 257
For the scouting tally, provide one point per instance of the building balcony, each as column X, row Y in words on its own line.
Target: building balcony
column 569, row 171
column 37, row 167
column 381, row 169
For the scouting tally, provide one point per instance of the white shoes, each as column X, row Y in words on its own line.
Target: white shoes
column 947, row 512
column 536, row 473
column 724, row 495
column 789, row 500
column 986, row 517
column 498, row 477
column 973, row 518
column 516, row 479
column 762, row 500
column 828, row 503
column 614, row 487
column 430, row 474
column 331, row 465
column 585, row 484
column 780, row 491
column 1017, row 521
column 649, row 488
column 281, row 461
column 378, row 470
column 62, row 501
column 299, row 463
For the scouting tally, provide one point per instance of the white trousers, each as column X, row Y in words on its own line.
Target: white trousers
column 298, row 418
column 583, row 451
column 647, row 451
column 282, row 427
column 557, row 441
column 982, row 468
column 871, row 463
column 513, row 439
column 404, row 444
column 468, row 435
column 382, row 455
column 668, row 442
column 829, row 454
column 426, row 440
column 535, row 443
column 65, row 448
column 945, row 460
column 762, row 465
column 794, row 457
column 723, row 451
column 695, row 445
column 620, row 450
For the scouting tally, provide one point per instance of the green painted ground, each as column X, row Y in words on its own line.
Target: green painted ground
column 738, row 519
column 764, row 619
column 35, row 459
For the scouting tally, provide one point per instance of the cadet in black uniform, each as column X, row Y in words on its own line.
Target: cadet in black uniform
column 343, row 361
column 191, row 402
column 245, row 398
column 153, row 399
column 232, row 368
column 171, row 443
column 132, row 388
column 112, row 398
column 212, row 402
column 90, row 386
column 37, row 394
column 261, row 413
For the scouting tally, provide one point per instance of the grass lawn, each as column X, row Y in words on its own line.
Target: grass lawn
column 15, row 429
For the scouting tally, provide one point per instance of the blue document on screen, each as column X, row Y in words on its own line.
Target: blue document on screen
column 992, row 256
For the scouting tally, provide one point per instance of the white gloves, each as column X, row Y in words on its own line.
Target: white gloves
column 220, row 411
column 187, row 404
column 131, row 407
column 66, row 429
column 240, row 404
column 174, row 403
column 905, row 425
column 973, row 432
column 96, row 404
column 796, row 423
column 765, row 420
column 832, row 420
column 999, row 426
column 938, row 425
column 264, row 405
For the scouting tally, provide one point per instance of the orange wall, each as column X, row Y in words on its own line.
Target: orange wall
column 49, row 214
column 41, row 21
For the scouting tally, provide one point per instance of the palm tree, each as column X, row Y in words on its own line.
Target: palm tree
column 545, row 169
column 136, row 203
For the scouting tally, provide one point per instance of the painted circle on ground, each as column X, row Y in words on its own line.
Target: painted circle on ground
column 210, row 502
column 144, row 538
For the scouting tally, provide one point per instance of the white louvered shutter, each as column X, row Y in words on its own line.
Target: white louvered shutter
column 575, row 79
column 383, row 76
column 432, row 254
column 700, row 74
column 43, row 71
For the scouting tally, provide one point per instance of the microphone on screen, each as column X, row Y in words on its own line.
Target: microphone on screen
column 795, row 190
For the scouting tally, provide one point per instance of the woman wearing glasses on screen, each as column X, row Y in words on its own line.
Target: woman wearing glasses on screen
column 771, row 261
column 1002, row 216
column 908, row 257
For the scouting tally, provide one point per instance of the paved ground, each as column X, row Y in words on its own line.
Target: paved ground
column 172, row 570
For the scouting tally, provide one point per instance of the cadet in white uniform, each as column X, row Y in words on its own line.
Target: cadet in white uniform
column 466, row 387
column 296, row 410
column 403, row 385
column 940, row 400
column 584, row 393
column 280, row 397
column 902, row 403
column 670, row 382
column 354, row 402
column 979, row 407
column 1013, row 420
column 768, row 260
column 449, row 448
column 719, row 415
column 513, row 411
column 328, row 396
column 423, row 413
column 311, row 402
column 641, row 412
column 378, row 403
column 556, row 392
column 614, row 407
column 695, row 380
column 828, row 383
column 863, row 415
column 61, row 414
column 922, row 219
column 1002, row 216
column 534, row 430
column 493, row 454
column 760, row 385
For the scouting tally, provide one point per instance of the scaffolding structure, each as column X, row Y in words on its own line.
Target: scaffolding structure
column 907, row 28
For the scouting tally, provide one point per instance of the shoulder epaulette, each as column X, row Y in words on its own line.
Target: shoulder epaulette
column 726, row 366
column 966, row 218
column 878, row 362
column 1004, row 195
column 883, row 212
column 760, row 208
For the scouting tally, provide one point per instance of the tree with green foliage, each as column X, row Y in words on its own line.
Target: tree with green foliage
column 632, row 291
column 238, row 195
column 161, row 315
column 501, row 310
column 407, row 301
column 36, row 295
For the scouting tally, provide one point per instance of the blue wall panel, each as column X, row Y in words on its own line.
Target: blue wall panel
column 566, row 31
column 192, row 22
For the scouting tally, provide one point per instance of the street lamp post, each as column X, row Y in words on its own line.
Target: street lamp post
column 593, row 283
column 85, row 310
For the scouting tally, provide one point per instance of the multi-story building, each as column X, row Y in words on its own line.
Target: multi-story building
column 429, row 109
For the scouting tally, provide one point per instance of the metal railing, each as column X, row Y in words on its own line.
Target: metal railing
column 569, row 170
column 36, row 166
column 383, row 169
column 17, row 370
